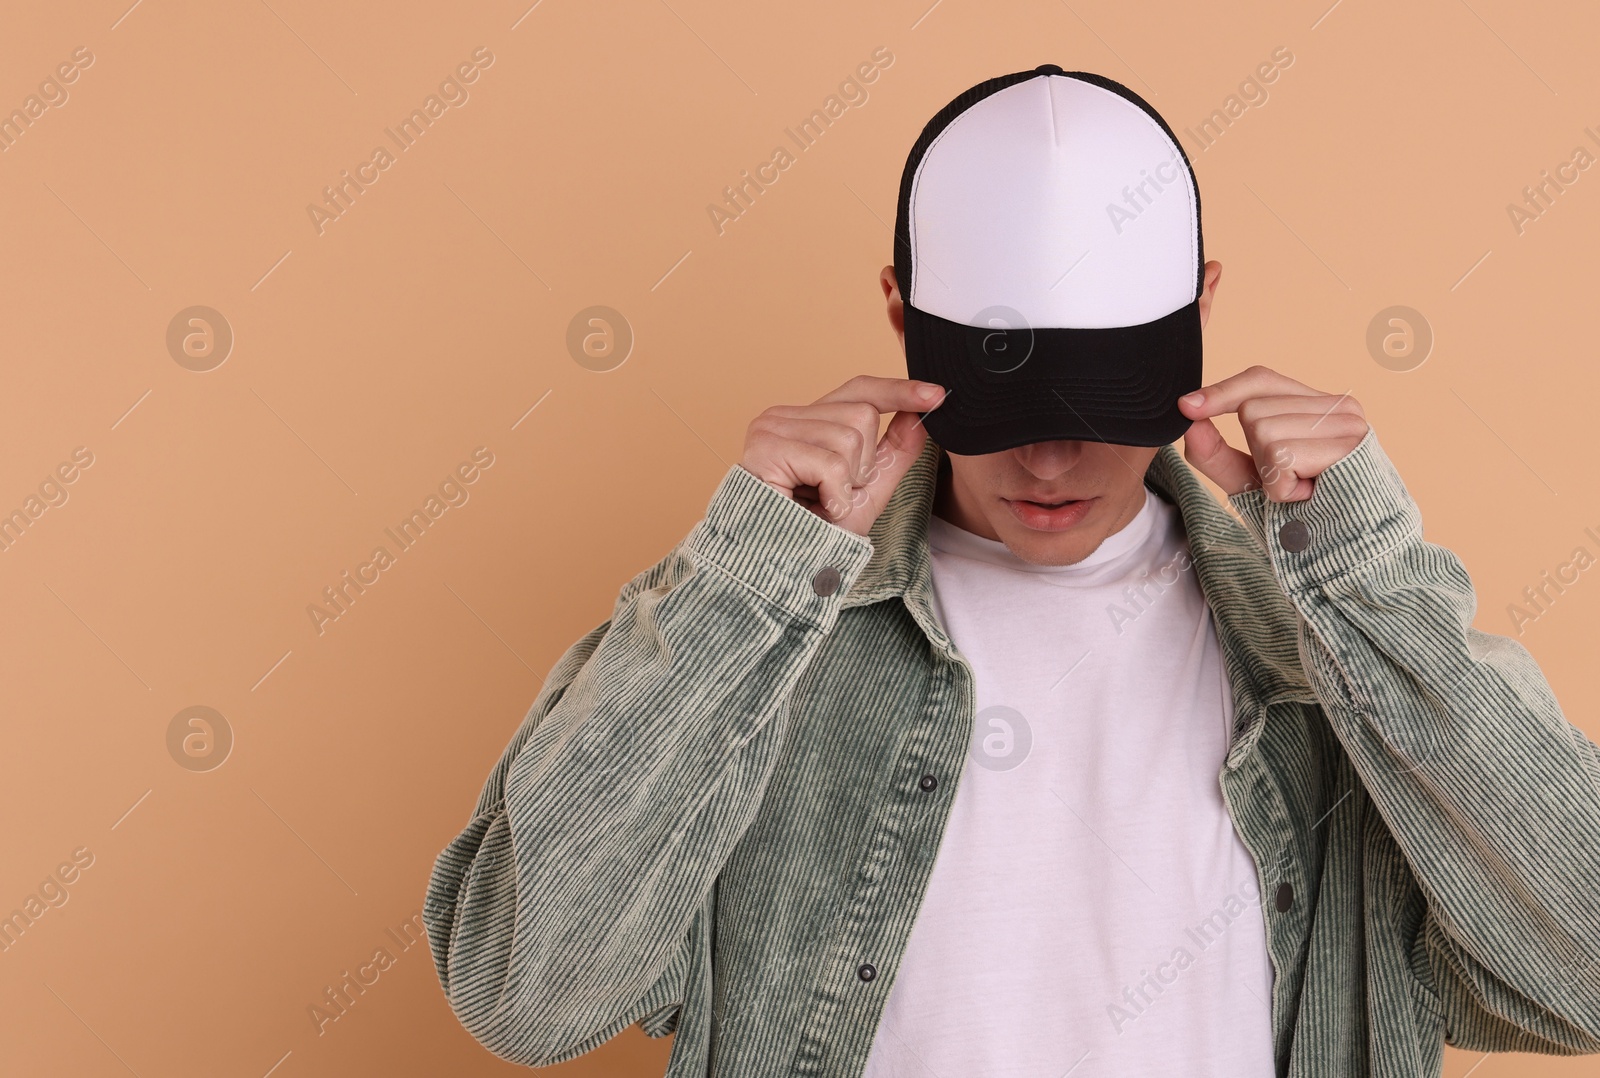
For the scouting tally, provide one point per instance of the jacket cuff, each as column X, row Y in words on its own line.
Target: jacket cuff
column 1359, row 511
column 768, row 541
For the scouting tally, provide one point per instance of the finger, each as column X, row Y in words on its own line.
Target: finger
column 1277, row 444
column 1225, row 396
column 1212, row 456
column 804, row 464
column 1318, row 407
column 857, row 415
column 1294, row 464
column 887, row 394
column 1263, row 433
column 903, row 440
column 845, row 439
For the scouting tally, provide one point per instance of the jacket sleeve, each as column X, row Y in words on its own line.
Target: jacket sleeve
column 575, row 901
column 1491, row 795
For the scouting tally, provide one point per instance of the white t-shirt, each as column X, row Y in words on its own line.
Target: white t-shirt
column 1092, row 911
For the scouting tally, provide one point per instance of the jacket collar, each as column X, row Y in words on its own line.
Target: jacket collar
column 1256, row 623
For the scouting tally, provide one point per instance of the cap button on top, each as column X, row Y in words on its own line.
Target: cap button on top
column 826, row 582
column 1294, row 536
column 1049, row 69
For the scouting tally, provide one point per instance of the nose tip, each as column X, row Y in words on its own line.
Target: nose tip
column 1061, row 447
column 1049, row 459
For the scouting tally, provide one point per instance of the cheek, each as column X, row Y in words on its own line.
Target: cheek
column 1135, row 458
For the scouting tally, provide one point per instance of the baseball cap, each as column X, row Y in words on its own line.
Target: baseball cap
column 1049, row 256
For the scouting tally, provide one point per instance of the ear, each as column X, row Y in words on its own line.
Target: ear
column 1209, row 290
column 897, row 309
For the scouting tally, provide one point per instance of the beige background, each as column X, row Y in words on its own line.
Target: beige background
column 372, row 358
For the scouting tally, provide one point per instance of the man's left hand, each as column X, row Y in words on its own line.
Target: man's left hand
column 1293, row 433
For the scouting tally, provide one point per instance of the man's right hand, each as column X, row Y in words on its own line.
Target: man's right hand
column 827, row 455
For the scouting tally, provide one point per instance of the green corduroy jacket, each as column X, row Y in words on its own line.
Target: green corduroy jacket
column 714, row 818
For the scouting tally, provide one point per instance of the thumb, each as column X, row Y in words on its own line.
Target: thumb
column 902, row 441
column 1212, row 456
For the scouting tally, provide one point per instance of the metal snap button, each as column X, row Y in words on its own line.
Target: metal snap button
column 928, row 782
column 1294, row 536
column 867, row 971
column 826, row 582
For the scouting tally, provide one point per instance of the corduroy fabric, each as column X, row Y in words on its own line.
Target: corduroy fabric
column 711, row 817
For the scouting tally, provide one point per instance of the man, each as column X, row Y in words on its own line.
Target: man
column 996, row 746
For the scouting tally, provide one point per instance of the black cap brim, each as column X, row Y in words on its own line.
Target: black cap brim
column 1008, row 387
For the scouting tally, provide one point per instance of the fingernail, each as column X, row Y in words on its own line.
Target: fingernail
column 927, row 392
column 1194, row 398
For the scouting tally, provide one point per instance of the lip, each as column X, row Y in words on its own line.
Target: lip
column 1033, row 515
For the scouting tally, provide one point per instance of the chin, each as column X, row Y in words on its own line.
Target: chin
column 1046, row 548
